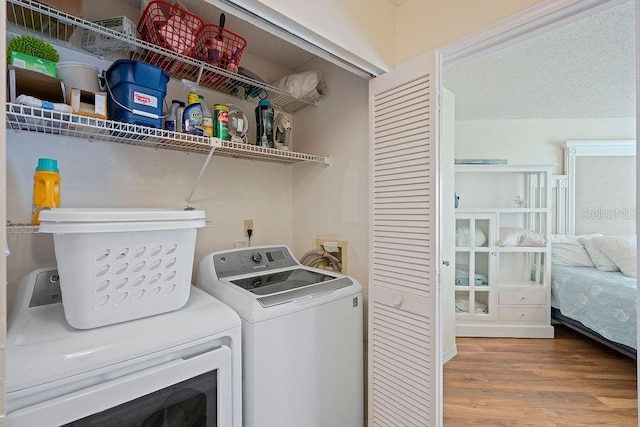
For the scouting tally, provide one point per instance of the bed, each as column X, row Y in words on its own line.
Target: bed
column 598, row 303
column 593, row 274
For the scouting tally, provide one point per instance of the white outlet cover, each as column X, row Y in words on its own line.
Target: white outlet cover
column 244, row 243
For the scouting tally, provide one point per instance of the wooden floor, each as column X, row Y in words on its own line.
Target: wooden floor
column 566, row 381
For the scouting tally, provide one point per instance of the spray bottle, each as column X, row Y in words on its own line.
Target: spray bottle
column 192, row 118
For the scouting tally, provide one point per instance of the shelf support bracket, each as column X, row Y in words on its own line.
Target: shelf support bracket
column 204, row 167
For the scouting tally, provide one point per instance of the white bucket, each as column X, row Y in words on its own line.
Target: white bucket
column 78, row 75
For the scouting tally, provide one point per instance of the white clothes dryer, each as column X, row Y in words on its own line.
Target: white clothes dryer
column 301, row 337
column 180, row 368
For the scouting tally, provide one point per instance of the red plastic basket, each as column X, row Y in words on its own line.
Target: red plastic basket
column 219, row 47
column 170, row 27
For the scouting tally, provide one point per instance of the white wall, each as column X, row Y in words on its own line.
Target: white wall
column 528, row 142
column 605, row 195
column 426, row 25
column 96, row 174
column 333, row 201
column 365, row 28
column 533, row 141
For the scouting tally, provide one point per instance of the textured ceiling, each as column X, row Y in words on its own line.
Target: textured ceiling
column 583, row 70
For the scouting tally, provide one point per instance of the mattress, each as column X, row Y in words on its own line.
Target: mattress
column 602, row 301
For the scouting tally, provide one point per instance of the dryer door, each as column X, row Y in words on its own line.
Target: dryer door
column 189, row 391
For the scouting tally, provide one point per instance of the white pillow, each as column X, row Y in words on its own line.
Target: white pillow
column 463, row 237
column 514, row 236
column 601, row 261
column 567, row 250
column 622, row 250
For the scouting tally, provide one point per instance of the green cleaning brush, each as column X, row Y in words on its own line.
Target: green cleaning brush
column 34, row 47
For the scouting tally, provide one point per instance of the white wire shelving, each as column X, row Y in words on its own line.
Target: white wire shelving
column 21, row 228
column 63, row 29
column 24, row 118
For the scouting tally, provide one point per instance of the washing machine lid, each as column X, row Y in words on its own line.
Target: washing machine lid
column 276, row 288
column 274, row 282
column 42, row 348
column 268, row 275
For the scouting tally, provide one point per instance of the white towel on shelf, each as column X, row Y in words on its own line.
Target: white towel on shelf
column 462, row 306
column 462, row 278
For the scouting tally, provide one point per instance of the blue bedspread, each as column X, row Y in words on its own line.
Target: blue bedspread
column 603, row 301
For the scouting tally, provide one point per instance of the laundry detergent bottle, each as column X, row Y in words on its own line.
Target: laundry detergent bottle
column 46, row 188
column 192, row 116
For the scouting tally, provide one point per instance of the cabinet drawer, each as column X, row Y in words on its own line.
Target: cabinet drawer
column 521, row 298
column 523, row 314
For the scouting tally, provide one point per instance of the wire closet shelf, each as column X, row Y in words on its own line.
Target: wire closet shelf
column 63, row 29
column 24, row 118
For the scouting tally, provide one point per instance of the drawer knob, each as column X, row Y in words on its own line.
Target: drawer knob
column 398, row 300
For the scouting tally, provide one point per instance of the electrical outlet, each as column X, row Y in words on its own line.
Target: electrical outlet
column 248, row 225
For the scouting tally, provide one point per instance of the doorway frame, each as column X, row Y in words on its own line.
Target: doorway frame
column 526, row 24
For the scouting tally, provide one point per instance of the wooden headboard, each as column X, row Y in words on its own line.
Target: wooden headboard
column 600, row 188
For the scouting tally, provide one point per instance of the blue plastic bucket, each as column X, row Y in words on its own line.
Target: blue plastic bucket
column 136, row 92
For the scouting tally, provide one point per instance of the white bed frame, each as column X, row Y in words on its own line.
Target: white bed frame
column 566, row 210
column 565, row 200
column 560, row 191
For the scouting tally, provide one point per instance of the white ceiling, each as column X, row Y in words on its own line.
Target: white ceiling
column 260, row 43
column 583, row 70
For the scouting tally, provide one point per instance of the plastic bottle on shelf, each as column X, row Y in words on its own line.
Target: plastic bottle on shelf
column 192, row 116
column 179, row 117
column 170, row 121
column 264, row 124
column 207, row 118
column 46, row 188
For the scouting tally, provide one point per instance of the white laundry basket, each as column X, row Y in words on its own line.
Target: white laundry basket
column 122, row 264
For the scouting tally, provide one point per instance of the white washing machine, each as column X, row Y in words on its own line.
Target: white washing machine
column 301, row 337
column 181, row 368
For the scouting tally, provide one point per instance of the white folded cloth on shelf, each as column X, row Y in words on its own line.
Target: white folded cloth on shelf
column 32, row 101
column 462, row 278
column 462, row 306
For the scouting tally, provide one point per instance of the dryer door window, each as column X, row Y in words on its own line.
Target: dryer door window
column 191, row 403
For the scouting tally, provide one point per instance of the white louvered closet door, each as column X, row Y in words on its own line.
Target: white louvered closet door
column 405, row 374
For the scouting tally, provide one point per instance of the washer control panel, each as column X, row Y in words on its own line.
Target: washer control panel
column 250, row 260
